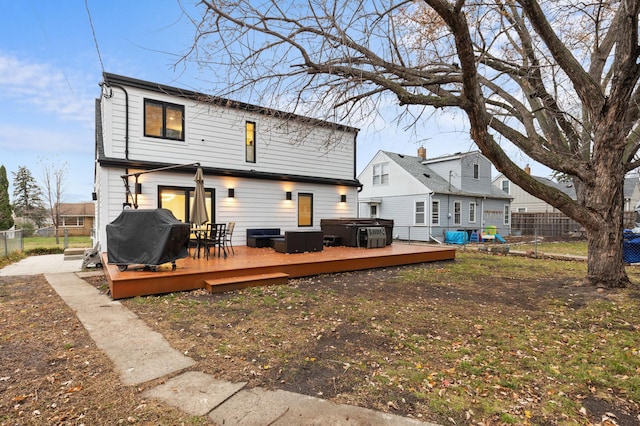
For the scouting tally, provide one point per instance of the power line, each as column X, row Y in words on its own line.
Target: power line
column 95, row 40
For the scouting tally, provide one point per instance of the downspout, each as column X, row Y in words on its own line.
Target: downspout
column 126, row 113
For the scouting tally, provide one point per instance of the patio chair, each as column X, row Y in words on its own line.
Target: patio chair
column 228, row 236
column 215, row 238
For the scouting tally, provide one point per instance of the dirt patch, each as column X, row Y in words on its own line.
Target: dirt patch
column 442, row 349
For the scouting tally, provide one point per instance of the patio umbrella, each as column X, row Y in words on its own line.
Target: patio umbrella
column 199, row 215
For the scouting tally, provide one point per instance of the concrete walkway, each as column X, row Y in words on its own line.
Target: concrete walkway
column 141, row 354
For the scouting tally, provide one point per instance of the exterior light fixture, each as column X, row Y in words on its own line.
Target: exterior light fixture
column 288, row 196
column 138, row 188
column 343, row 198
column 231, row 193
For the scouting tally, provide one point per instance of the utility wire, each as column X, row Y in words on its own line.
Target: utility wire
column 95, row 40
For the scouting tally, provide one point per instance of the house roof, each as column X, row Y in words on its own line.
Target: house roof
column 77, row 209
column 105, row 161
column 114, row 79
column 417, row 167
column 630, row 184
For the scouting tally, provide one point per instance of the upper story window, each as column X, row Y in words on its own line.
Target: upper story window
column 505, row 186
column 476, row 171
column 250, row 142
column 381, row 174
column 163, row 120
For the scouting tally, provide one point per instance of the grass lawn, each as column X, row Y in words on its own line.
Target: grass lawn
column 574, row 248
column 31, row 243
column 484, row 339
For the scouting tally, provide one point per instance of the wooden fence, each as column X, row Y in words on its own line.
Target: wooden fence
column 552, row 224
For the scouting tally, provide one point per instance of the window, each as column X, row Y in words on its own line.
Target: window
column 507, row 215
column 250, row 142
column 381, row 174
column 476, row 171
column 505, row 186
column 472, row 212
column 420, row 215
column 373, row 210
column 435, row 212
column 69, row 221
column 457, row 209
column 163, row 120
column 305, row 209
column 179, row 200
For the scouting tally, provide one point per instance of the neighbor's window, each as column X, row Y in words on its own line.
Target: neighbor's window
column 250, row 142
column 420, row 214
column 476, row 171
column 435, row 212
column 507, row 215
column 163, row 120
column 373, row 210
column 505, row 186
column 457, row 209
column 472, row 212
column 305, row 209
column 381, row 174
column 72, row 221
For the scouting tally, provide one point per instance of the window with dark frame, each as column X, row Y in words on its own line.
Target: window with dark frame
column 163, row 120
column 250, row 142
column 180, row 199
column 305, row 209
column 476, row 171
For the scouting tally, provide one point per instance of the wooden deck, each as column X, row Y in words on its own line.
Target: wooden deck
column 261, row 266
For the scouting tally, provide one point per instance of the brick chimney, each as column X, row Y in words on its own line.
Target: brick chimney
column 422, row 152
column 527, row 169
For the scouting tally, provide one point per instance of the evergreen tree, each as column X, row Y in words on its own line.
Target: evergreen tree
column 27, row 196
column 6, row 220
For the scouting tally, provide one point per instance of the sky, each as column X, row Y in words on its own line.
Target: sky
column 53, row 53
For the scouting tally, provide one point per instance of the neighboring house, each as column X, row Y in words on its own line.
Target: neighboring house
column 263, row 168
column 76, row 219
column 523, row 202
column 427, row 197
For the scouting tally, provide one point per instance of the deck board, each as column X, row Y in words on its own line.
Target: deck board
column 191, row 274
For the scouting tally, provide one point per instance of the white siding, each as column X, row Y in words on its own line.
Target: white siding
column 257, row 203
column 215, row 135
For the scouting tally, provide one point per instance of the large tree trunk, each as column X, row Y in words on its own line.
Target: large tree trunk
column 603, row 197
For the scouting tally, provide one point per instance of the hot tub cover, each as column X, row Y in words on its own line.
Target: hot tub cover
column 147, row 237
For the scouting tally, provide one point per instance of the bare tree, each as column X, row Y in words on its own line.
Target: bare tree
column 558, row 81
column 53, row 177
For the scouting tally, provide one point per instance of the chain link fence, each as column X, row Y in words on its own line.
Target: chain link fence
column 10, row 241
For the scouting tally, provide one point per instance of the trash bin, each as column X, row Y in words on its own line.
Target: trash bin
column 631, row 247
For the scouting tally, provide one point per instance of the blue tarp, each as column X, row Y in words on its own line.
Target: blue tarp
column 456, row 237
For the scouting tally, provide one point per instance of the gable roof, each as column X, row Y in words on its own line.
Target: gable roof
column 77, row 209
column 417, row 168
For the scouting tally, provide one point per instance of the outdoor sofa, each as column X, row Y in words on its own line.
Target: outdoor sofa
column 299, row 242
column 261, row 237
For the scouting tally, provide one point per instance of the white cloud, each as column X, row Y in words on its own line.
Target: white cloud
column 48, row 89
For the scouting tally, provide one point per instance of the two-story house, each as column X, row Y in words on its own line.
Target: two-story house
column 262, row 167
column 426, row 197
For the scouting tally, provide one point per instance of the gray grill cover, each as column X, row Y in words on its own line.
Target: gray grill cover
column 147, row 237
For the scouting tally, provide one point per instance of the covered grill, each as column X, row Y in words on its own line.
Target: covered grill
column 147, row 237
